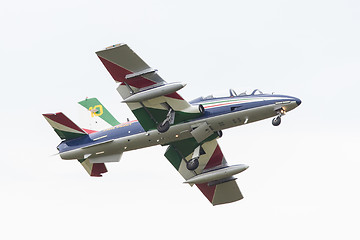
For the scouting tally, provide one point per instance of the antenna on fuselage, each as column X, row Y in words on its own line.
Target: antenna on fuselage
column 232, row 93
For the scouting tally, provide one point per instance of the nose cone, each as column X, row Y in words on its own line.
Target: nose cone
column 298, row 101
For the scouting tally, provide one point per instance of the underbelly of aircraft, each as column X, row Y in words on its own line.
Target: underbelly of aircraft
column 175, row 133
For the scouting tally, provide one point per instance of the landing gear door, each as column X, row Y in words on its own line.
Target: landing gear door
column 202, row 132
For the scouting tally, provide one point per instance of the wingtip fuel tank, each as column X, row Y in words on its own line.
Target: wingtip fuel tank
column 154, row 92
column 217, row 174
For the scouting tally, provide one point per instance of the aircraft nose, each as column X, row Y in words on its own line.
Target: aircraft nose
column 298, row 101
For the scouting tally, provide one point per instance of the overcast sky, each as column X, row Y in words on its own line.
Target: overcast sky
column 303, row 180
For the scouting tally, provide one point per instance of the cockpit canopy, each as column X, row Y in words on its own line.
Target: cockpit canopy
column 255, row 92
column 232, row 94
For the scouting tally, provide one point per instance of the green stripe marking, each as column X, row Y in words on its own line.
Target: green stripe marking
column 68, row 135
column 173, row 156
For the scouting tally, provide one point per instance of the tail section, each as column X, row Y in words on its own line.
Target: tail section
column 63, row 126
column 67, row 130
column 95, row 116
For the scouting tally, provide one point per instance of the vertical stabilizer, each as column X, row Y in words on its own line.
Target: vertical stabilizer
column 95, row 116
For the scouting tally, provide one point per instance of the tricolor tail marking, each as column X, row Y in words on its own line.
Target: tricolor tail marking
column 63, row 126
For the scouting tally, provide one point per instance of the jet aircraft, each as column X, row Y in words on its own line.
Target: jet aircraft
column 189, row 129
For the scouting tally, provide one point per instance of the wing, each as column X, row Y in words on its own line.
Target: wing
column 135, row 77
column 219, row 192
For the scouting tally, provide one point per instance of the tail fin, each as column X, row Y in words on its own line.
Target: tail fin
column 63, row 126
column 95, row 116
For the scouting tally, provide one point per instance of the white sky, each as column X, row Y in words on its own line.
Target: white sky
column 303, row 177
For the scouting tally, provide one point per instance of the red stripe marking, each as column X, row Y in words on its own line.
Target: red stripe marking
column 216, row 158
column 208, row 191
column 98, row 169
column 115, row 71
column 118, row 73
column 88, row 131
column 139, row 82
column 62, row 119
column 174, row 95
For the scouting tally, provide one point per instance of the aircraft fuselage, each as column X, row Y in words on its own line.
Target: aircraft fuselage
column 219, row 114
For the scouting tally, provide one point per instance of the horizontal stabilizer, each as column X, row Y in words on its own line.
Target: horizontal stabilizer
column 94, row 169
column 94, row 164
column 63, row 126
column 105, row 158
